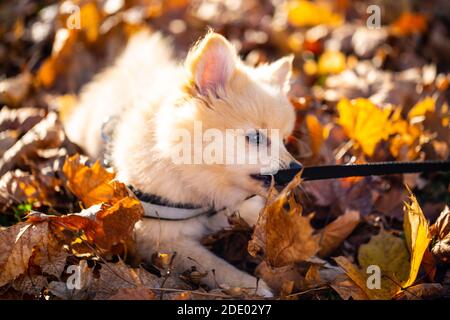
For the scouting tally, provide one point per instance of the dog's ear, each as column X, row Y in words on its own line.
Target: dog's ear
column 211, row 63
column 279, row 72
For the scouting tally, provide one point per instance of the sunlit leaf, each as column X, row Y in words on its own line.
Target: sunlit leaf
column 306, row 13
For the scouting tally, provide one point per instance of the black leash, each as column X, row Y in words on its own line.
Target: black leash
column 361, row 170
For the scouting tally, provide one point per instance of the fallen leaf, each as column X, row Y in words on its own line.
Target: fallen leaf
column 331, row 62
column 422, row 291
column 14, row 90
column 305, row 13
column 92, row 185
column 284, row 236
column 391, row 255
column 47, row 133
column 363, row 122
column 417, row 237
column 16, row 248
column 315, row 130
column 409, row 23
column 359, row 278
column 337, row 231
column 441, row 231
column 138, row 293
column 347, row 289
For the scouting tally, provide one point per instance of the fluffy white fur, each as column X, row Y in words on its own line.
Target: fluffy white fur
column 151, row 96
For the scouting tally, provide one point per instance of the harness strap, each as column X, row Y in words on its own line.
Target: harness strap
column 159, row 208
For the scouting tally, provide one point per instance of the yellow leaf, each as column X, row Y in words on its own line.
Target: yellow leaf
column 390, row 254
column 331, row 62
column 417, row 236
column 363, row 122
column 90, row 21
column 403, row 136
column 305, row 13
column 422, row 107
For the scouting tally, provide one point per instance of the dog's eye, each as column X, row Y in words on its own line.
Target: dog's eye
column 256, row 138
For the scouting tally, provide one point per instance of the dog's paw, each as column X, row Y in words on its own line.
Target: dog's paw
column 264, row 290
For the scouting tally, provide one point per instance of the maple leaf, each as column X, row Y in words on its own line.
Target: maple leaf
column 284, row 236
column 363, row 122
column 92, row 185
column 113, row 211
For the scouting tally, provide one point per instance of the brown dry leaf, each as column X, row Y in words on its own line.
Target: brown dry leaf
column 20, row 120
column 337, row 231
column 284, row 236
column 138, row 293
column 441, row 230
column 62, row 50
column 30, row 284
column 358, row 277
column 347, row 289
column 116, row 276
column 113, row 208
column 20, row 187
column 14, row 90
column 104, row 226
column 16, row 248
column 277, row 277
column 48, row 133
column 422, row 291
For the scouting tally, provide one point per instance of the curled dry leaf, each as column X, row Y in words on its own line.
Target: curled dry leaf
column 47, row 133
column 417, row 237
column 441, row 230
column 284, row 236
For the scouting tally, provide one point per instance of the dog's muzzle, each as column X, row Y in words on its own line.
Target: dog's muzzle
column 282, row 177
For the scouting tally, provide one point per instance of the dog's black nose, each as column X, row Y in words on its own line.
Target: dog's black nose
column 285, row 176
